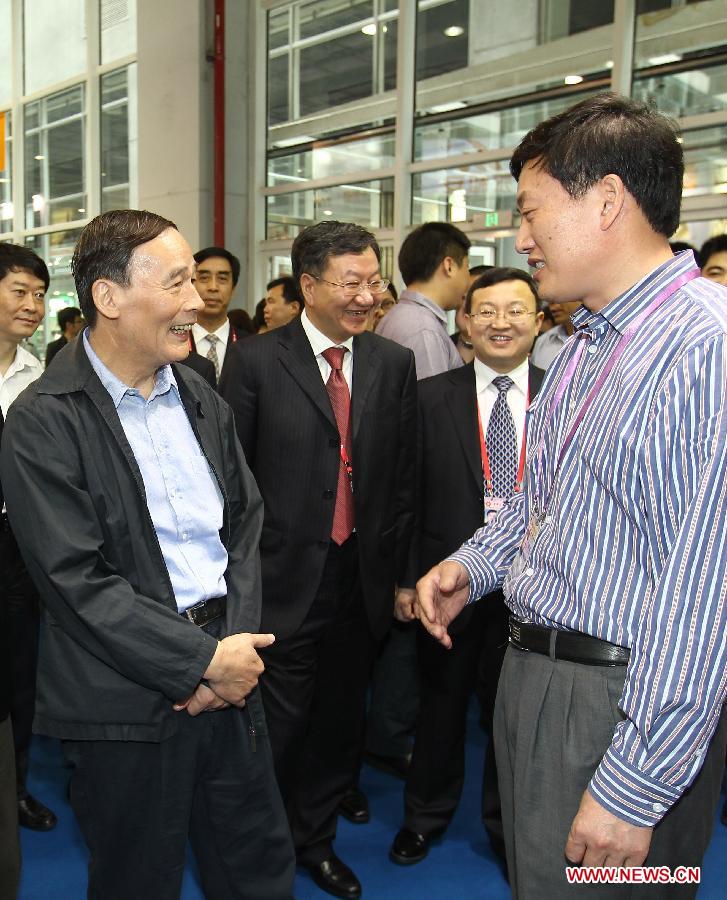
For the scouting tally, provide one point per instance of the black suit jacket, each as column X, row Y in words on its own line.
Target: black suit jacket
column 290, row 439
column 202, row 366
column 236, row 335
column 53, row 348
column 450, row 497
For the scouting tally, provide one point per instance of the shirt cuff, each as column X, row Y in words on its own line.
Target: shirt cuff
column 628, row 793
column 480, row 574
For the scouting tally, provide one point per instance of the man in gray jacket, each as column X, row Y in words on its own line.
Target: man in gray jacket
column 139, row 522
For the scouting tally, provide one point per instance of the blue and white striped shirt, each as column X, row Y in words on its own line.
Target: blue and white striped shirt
column 633, row 549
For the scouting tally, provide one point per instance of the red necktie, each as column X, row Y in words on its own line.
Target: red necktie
column 341, row 403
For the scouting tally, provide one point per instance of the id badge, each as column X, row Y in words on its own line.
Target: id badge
column 493, row 505
column 531, row 535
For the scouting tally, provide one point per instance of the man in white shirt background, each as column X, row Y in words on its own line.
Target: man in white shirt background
column 24, row 281
column 548, row 345
column 218, row 272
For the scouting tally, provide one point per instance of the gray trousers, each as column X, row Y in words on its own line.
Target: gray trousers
column 9, row 843
column 554, row 721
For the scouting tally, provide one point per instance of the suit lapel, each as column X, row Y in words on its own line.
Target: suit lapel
column 296, row 355
column 461, row 399
column 366, row 364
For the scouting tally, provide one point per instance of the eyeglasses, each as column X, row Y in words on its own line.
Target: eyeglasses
column 352, row 289
column 514, row 315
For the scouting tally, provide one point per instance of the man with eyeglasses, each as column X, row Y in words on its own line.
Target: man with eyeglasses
column 326, row 415
column 471, row 452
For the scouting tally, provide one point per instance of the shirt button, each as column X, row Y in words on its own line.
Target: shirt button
column 184, row 535
column 658, row 808
column 529, row 572
column 593, row 349
column 328, row 495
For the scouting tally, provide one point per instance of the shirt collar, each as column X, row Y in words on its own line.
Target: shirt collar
column 223, row 332
column 484, row 376
column 416, row 297
column 163, row 380
column 24, row 359
column 622, row 311
column 318, row 341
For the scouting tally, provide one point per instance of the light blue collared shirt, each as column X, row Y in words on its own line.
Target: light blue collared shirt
column 182, row 494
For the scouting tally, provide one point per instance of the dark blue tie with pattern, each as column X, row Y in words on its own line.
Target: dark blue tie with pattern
column 502, row 441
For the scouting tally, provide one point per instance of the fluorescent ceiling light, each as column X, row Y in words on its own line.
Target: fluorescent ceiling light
column 573, row 79
column 370, row 28
column 665, row 58
column 454, row 31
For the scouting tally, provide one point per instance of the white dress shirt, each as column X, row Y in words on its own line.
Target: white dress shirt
column 548, row 346
column 23, row 370
column 203, row 345
column 319, row 342
column 517, row 396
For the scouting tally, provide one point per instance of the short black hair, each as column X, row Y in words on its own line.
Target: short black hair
column 392, row 290
column 496, row 275
column 423, row 250
column 14, row 258
column 201, row 255
column 68, row 315
column 290, row 288
column 105, row 248
column 315, row 244
column 611, row 134
column 480, row 270
column 716, row 244
column 681, row 246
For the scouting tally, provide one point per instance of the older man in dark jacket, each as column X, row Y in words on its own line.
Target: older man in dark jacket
column 139, row 522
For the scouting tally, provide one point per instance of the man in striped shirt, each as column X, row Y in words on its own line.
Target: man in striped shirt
column 610, row 730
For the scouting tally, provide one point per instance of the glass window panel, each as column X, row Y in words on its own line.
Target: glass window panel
column 6, row 169
column 324, row 15
column 278, row 28
column 118, row 29
column 370, row 204
column 336, row 71
column 685, row 93
column 666, row 30
column 442, row 37
column 491, row 31
column 114, row 141
column 456, row 195
column 340, row 159
column 278, row 89
column 54, row 162
column 54, row 41
column 501, row 128
column 705, row 161
column 6, row 61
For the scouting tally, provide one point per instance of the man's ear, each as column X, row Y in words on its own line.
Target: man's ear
column 306, row 286
column 612, row 195
column 105, row 295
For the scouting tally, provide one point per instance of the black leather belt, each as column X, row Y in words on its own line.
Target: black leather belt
column 572, row 646
column 202, row 614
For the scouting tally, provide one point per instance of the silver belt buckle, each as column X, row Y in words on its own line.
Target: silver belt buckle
column 515, row 632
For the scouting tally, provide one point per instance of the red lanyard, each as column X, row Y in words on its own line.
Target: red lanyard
column 486, row 471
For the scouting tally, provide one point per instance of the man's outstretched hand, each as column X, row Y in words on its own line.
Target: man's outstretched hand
column 441, row 595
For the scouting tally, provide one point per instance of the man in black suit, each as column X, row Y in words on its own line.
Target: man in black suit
column 338, row 497
column 70, row 321
column 471, row 436
column 216, row 277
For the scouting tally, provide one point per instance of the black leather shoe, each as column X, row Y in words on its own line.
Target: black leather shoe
column 398, row 766
column 354, row 806
column 334, row 877
column 32, row 814
column 408, row 848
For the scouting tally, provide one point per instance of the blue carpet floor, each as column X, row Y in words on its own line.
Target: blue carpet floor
column 461, row 866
